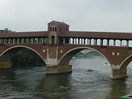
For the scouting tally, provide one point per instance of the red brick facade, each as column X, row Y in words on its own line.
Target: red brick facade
column 58, row 51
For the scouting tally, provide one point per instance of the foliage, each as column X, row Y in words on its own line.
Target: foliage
column 26, row 57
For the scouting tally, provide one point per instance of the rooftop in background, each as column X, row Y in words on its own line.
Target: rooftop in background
column 6, row 30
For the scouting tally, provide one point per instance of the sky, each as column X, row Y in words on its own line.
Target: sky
column 81, row 15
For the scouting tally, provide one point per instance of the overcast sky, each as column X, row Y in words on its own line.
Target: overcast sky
column 81, row 15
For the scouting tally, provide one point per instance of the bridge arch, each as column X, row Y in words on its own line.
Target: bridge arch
column 126, row 62
column 15, row 48
column 65, row 59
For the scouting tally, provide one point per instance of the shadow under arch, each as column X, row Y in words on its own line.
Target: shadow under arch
column 65, row 59
column 126, row 62
column 9, row 52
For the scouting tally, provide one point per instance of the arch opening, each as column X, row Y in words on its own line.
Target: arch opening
column 52, row 40
column 22, row 56
column 127, row 64
column 85, row 58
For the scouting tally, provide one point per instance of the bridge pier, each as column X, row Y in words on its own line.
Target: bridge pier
column 5, row 64
column 57, row 69
column 119, row 73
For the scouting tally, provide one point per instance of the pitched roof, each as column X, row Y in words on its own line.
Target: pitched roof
column 24, row 34
column 58, row 23
column 103, row 35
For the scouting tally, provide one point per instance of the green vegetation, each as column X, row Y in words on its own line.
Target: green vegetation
column 26, row 57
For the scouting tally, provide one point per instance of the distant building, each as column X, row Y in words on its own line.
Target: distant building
column 6, row 30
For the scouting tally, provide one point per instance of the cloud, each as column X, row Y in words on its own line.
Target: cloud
column 95, row 15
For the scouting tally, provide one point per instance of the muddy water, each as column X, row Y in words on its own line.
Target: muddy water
column 90, row 79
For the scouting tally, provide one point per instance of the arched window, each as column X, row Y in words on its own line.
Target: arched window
column 111, row 42
column 105, row 42
column 130, row 43
column 53, row 29
column 71, row 40
column 124, row 43
column 92, row 41
column 52, row 40
column 98, row 41
column 117, row 43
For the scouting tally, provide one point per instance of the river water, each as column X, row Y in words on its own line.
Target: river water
column 90, row 79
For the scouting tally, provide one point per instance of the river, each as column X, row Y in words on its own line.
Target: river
column 90, row 79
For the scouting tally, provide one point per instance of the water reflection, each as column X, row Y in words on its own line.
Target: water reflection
column 118, row 88
column 54, row 86
column 32, row 83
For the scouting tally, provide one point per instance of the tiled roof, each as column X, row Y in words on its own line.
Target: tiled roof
column 59, row 23
column 76, row 34
column 103, row 35
column 24, row 34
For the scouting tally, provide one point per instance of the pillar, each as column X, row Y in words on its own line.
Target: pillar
column 78, row 40
column 52, row 67
column 121, row 43
column 101, row 42
column 108, row 42
column 95, row 41
column 5, row 61
column 127, row 43
column 119, row 73
column 57, row 69
column 114, row 42
column 84, row 41
column 5, row 64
